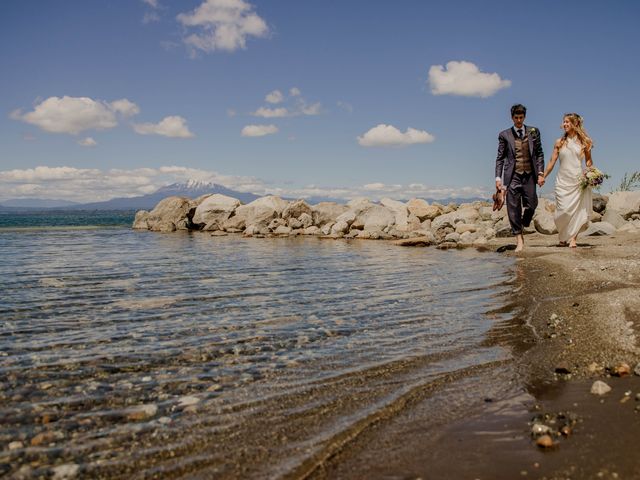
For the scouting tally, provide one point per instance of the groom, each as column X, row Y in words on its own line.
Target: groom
column 520, row 162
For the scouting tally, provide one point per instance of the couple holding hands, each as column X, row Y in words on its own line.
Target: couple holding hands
column 520, row 169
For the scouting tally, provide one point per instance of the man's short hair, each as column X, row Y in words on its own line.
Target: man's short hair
column 518, row 109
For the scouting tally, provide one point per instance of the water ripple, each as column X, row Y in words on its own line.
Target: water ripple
column 242, row 348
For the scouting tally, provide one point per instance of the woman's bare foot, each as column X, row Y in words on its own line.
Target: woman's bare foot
column 572, row 243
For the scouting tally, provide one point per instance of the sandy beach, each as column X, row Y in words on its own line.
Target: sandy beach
column 577, row 321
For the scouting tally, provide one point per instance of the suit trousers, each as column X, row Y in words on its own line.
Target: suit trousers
column 522, row 201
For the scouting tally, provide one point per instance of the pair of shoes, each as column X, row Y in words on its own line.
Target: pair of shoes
column 498, row 199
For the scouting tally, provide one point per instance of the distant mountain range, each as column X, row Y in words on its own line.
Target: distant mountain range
column 190, row 189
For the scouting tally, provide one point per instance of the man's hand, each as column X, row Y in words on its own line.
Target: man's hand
column 540, row 180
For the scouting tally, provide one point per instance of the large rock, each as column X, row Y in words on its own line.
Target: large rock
column 629, row 227
column 600, row 228
column 543, row 219
column 326, row 212
column 341, row 226
column 376, row 218
column 465, row 215
column 170, row 214
column 400, row 211
column 599, row 202
column 419, row 208
column 140, row 222
column 625, row 203
column 614, row 218
column 258, row 213
column 359, row 204
column 296, row 208
column 211, row 213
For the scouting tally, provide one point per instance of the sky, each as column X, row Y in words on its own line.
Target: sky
column 400, row 99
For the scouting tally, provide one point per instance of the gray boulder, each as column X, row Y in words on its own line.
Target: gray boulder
column 211, row 213
column 326, row 212
column 400, row 211
column 600, row 228
column 599, row 202
column 614, row 218
column 625, row 203
column 465, row 215
column 296, row 208
column 543, row 219
column 258, row 213
column 377, row 218
column 170, row 214
column 419, row 208
column 140, row 222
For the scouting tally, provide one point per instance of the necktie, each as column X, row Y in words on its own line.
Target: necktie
column 520, row 133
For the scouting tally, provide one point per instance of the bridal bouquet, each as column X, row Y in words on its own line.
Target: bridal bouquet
column 592, row 177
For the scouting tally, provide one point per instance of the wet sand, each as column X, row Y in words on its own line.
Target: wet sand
column 578, row 317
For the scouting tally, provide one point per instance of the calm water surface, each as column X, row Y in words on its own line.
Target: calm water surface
column 137, row 355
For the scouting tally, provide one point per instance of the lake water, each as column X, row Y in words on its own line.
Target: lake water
column 133, row 354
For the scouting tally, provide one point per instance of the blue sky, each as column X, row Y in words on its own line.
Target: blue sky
column 353, row 110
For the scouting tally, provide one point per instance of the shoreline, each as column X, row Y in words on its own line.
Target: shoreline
column 577, row 319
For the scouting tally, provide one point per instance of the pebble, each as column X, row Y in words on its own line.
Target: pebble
column 563, row 368
column 16, row 445
column 566, row 430
column 45, row 438
column 545, row 441
column 68, row 470
column 594, row 367
column 636, row 370
column 637, row 397
column 188, row 401
column 621, row 370
column 142, row 412
column 540, row 429
column 600, row 388
column 553, row 317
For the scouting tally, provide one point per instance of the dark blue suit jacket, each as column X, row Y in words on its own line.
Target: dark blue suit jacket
column 506, row 158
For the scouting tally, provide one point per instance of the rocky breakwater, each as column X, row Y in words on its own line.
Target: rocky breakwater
column 414, row 222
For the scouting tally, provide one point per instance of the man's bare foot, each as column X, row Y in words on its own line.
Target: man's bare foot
column 563, row 244
column 520, row 243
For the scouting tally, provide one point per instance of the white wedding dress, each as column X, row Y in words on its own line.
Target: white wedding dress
column 573, row 205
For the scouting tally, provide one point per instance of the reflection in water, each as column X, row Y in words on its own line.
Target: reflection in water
column 133, row 354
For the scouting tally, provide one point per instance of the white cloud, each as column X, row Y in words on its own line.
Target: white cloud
column 69, row 115
column 125, row 107
column 73, row 115
column 151, row 3
column 315, row 109
column 88, row 185
column 389, row 136
column 87, row 142
column 464, row 79
column 259, row 130
column 267, row 112
column 223, row 24
column 295, row 105
column 274, row 97
column 173, row 126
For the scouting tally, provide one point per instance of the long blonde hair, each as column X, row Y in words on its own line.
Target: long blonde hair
column 577, row 122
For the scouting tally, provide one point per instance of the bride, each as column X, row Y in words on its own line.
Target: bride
column 573, row 204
